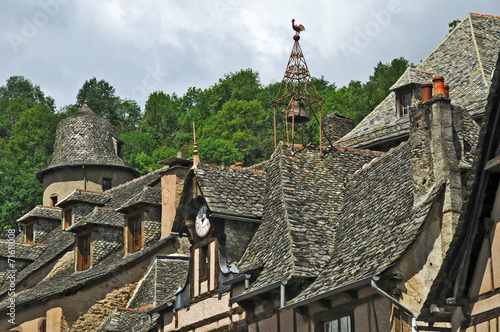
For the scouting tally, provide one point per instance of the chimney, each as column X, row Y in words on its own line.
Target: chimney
column 426, row 92
column 439, row 86
column 172, row 182
column 447, row 91
column 433, row 136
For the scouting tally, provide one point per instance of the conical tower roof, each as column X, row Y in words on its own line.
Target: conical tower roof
column 85, row 138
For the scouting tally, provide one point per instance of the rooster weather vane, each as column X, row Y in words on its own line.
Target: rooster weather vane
column 297, row 28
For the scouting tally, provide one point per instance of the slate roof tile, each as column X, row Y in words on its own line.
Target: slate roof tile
column 465, row 58
column 378, row 222
column 42, row 212
column 67, row 280
column 148, row 195
column 232, row 191
column 86, row 196
column 99, row 216
column 304, row 195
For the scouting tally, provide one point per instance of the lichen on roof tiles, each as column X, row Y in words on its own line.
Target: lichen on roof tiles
column 377, row 224
column 232, row 191
column 304, row 195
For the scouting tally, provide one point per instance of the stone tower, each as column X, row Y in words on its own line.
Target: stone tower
column 87, row 155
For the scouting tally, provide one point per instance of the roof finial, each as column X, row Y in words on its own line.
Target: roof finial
column 196, row 158
column 297, row 28
column 85, row 102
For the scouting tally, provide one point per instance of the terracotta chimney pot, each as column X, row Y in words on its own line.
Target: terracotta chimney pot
column 426, row 92
column 447, row 91
column 239, row 164
column 438, row 85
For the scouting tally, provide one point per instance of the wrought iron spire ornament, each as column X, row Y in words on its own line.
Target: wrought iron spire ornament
column 297, row 91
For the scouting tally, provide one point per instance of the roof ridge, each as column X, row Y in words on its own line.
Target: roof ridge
column 283, row 202
column 420, row 69
column 477, row 51
column 374, row 160
column 161, row 169
column 233, row 168
column 92, row 192
column 477, row 14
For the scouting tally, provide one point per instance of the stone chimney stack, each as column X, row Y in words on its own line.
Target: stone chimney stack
column 172, row 182
column 336, row 126
column 435, row 136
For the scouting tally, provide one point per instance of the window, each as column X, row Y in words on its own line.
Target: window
column 119, row 149
column 53, row 200
column 29, row 232
column 134, row 235
column 342, row 324
column 68, row 218
column 83, row 252
column 204, row 264
column 404, row 102
column 106, row 184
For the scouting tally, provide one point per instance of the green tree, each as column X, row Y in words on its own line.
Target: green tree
column 27, row 151
column 18, row 95
column 100, row 96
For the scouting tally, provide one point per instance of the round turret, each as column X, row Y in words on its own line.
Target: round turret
column 87, row 155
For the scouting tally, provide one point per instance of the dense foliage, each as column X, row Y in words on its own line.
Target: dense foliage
column 233, row 118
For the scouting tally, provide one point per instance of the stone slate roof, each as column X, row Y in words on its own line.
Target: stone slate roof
column 413, row 76
column 125, row 319
column 125, row 192
column 58, row 242
column 148, row 195
column 465, row 58
column 159, row 285
column 99, row 216
column 86, row 196
column 25, row 251
column 40, row 211
column 232, row 191
column 161, row 282
column 85, row 138
column 66, row 280
column 304, row 196
column 378, row 222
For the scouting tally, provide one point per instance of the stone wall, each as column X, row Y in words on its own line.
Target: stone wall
column 105, row 241
column 100, row 311
column 238, row 236
column 151, row 225
column 336, row 126
column 43, row 227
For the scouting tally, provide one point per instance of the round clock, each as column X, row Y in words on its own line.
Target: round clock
column 202, row 222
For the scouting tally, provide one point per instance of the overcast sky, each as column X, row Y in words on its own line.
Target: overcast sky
column 144, row 46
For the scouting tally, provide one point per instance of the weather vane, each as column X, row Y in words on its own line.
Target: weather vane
column 297, row 91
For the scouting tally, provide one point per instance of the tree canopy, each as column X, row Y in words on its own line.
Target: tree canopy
column 233, row 118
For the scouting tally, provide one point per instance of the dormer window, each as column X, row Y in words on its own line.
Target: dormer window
column 133, row 234
column 83, row 261
column 29, row 232
column 68, row 217
column 404, row 98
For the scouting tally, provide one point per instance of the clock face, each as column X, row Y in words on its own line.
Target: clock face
column 202, row 222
